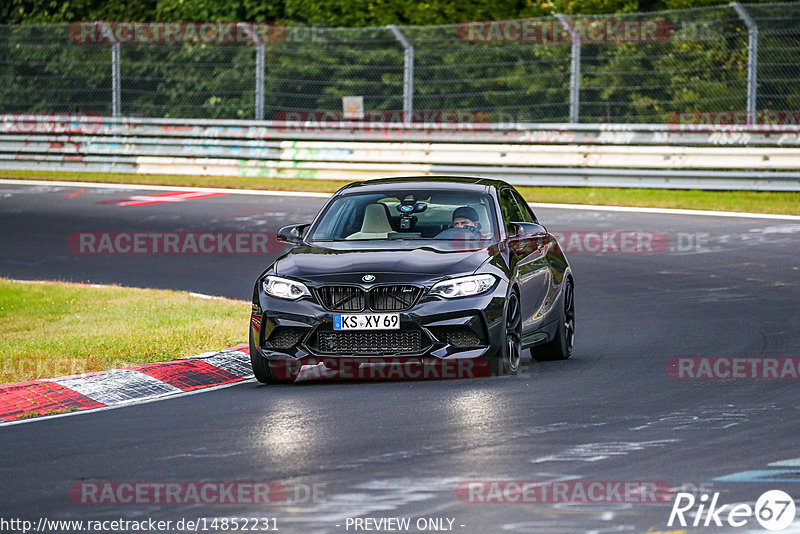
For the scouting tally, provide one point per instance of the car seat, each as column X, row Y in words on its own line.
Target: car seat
column 375, row 224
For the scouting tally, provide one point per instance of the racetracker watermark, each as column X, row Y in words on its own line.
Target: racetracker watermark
column 13, row 122
column 378, row 368
column 571, row 242
column 618, row 30
column 618, row 241
column 378, row 120
column 567, row 492
column 775, row 120
column 176, row 32
column 204, row 493
column 595, row 242
column 630, row 242
column 149, row 243
column 727, row 368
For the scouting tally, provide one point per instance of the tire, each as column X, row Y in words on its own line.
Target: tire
column 262, row 370
column 507, row 360
column 560, row 348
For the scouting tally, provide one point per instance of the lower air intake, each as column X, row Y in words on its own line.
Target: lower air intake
column 369, row 342
column 286, row 337
column 458, row 336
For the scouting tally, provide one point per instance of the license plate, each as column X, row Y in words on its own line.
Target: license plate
column 371, row 321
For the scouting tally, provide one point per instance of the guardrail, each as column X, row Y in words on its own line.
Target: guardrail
column 671, row 156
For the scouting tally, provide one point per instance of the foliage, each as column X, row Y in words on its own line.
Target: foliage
column 334, row 13
column 700, row 66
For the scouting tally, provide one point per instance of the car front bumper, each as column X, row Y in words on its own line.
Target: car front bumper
column 293, row 333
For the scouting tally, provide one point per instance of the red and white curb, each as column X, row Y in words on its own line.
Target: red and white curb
column 116, row 387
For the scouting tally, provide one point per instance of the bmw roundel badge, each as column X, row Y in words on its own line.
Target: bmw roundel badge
column 368, row 278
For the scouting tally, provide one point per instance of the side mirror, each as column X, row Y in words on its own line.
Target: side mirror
column 292, row 234
column 525, row 237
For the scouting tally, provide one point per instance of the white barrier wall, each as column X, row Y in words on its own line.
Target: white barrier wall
column 733, row 157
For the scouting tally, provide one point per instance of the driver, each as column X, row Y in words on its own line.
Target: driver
column 465, row 217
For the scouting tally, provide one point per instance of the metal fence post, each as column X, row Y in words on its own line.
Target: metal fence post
column 752, row 60
column 408, row 73
column 574, row 70
column 116, row 90
column 260, row 60
column 246, row 29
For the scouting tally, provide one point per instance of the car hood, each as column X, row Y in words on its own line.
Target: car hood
column 345, row 263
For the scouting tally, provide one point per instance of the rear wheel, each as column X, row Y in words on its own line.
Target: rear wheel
column 507, row 361
column 262, row 370
column 560, row 348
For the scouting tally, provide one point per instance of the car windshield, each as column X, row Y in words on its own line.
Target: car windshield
column 421, row 215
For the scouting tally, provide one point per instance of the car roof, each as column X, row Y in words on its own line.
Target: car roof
column 448, row 183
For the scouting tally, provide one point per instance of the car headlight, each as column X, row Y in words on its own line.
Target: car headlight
column 464, row 286
column 283, row 288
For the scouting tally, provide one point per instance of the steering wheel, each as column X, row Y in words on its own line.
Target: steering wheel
column 467, row 233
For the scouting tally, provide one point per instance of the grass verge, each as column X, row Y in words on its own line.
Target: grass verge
column 55, row 328
column 786, row 203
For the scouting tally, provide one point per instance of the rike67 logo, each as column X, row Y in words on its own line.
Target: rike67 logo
column 774, row 510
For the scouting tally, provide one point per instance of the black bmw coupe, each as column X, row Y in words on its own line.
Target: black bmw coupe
column 408, row 274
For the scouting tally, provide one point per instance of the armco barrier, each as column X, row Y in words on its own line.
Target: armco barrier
column 671, row 156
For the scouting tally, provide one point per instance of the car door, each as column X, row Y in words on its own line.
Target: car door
column 533, row 275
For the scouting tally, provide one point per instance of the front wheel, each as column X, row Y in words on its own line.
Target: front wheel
column 507, row 361
column 560, row 348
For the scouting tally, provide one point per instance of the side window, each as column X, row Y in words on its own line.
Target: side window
column 527, row 212
column 509, row 207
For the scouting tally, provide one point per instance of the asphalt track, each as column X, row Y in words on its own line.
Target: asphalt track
column 724, row 287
